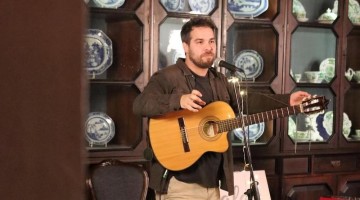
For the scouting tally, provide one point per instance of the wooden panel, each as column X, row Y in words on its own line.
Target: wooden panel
column 308, row 192
column 296, row 165
column 274, row 187
column 353, row 42
column 349, row 185
column 43, row 103
column 309, row 188
column 334, row 163
column 269, row 165
column 126, row 33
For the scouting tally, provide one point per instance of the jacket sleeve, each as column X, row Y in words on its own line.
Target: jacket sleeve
column 159, row 97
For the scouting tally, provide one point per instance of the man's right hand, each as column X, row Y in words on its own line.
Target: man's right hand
column 192, row 101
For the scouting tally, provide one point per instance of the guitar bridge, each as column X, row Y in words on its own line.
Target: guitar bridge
column 184, row 136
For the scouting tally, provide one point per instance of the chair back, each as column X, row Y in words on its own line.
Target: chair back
column 115, row 180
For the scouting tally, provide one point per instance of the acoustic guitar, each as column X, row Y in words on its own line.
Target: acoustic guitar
column 179, row 138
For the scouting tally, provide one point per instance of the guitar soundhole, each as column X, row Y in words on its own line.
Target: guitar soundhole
column 209, row 129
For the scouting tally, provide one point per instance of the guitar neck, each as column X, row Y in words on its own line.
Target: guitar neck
column 230, row 124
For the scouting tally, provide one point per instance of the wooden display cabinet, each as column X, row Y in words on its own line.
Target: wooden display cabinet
column 145, row 36
column 113, row 91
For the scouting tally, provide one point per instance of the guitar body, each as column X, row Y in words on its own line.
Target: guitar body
column 180, row 138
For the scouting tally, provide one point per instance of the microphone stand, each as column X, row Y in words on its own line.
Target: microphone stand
column 253, row 191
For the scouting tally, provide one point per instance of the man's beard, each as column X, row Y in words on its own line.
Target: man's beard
column 203, row 64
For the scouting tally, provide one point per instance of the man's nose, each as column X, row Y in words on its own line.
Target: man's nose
column 209, row 46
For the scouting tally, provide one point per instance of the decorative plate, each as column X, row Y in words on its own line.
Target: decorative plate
column 249, row 61
column 255, row 132
column 100, row 128
column 109, row 3
column 298, row 9
column 247, row 8
column 346, row 125
column 202, row 6
column 354, row 11
column 327, row 66
column 173, row 5
column 98, row 51
column 328, row 123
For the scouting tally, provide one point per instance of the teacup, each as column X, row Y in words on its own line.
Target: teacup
column 297, row 77
column 349, row 74
column 357, row 132
column 357, row 76
column 314, row 76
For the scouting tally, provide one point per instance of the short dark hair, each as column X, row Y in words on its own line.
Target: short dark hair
column 195, row 22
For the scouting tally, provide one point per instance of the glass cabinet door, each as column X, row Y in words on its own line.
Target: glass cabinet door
column 351, row 74
column 313, row 67
column 316, row 127
column 112, row 84
column 251, row 42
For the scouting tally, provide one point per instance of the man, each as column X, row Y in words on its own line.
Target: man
column 191, row 84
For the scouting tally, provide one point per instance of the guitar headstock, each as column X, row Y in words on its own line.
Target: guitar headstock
column 314, row 105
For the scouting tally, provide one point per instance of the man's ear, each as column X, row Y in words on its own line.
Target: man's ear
column 185, row 47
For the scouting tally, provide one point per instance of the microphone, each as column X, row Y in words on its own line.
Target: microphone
column 219, row 62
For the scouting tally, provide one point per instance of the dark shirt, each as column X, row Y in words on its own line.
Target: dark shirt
column 206, row 170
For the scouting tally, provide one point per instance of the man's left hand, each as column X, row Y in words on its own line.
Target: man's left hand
column 297, row 97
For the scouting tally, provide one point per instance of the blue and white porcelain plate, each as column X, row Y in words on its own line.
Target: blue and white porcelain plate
column 202, row 6
column 255, row 132
column 250, row 62
column 109, row 3
column 247, row 8
column 173, row 5
column 98, row 52
column 99, row 128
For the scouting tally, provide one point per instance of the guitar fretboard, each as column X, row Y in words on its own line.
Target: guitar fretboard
column 230, row 124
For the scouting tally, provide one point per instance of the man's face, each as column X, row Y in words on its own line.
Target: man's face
column 202, row 47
